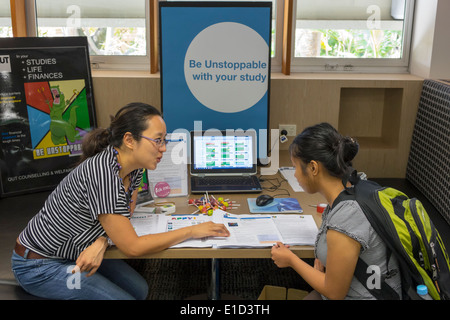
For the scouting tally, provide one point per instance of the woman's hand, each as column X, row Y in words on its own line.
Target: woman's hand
column 282, row 255
column 91, row 258
column 121, row 232
column 209, row 229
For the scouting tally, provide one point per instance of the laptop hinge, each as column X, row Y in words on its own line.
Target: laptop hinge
column 202, row 175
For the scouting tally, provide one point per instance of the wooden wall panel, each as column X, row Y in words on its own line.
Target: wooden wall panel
column 110, row 94
column 307, row 99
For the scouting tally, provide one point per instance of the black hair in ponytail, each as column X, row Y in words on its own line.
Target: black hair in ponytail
column 130, row 118
column 323, row 143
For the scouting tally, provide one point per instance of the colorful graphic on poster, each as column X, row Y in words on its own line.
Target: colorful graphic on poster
column 59, row 117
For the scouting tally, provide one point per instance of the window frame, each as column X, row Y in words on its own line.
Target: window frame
column 6, row 21
column 105, row 62
column 23, row 16
column 356, row 65
column 142, row 63
column 276, row 62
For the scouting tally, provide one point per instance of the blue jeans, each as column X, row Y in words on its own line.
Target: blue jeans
column 52, row 279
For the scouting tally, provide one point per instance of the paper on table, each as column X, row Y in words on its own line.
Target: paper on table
column 296, row 229
column 288, row 174
column 249, row 231
column 175, row 222
column 245, row 230
column 144, row 223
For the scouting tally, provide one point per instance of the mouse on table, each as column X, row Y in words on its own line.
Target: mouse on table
column 263, row 200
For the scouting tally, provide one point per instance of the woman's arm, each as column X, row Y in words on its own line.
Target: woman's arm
column 91, row 258
column 121, row 232
column 342, row 255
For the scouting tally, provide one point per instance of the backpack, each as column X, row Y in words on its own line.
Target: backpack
column 409, row 234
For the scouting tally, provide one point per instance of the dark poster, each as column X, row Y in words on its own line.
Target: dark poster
column 46, row 108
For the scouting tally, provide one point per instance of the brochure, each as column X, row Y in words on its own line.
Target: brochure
column 246, row 231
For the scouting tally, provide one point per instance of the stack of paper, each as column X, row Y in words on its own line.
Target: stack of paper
column 246, row 231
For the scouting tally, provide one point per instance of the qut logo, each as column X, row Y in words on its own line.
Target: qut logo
column 5, row 63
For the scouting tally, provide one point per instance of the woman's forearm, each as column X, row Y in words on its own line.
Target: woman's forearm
column 315, row 278
column 152, row 243
column 122, row 233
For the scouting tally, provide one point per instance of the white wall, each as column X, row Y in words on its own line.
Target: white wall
column 430, row 44
column 440, row 66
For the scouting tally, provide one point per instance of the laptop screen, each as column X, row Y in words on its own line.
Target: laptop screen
column 222, row 152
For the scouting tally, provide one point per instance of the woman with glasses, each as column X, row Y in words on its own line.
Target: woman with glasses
column 92, row 203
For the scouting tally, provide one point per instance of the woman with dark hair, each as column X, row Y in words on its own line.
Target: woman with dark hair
column 323, row 162
column 93, row 202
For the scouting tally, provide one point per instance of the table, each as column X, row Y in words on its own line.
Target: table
column 307, row 202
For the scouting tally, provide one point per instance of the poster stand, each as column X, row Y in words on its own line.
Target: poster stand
column 46, row 108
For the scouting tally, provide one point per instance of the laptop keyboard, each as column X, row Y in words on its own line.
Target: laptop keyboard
column 229, row 181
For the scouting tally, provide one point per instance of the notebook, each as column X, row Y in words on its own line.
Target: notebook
column 224, row 161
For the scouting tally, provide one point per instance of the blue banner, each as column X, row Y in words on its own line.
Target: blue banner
column 215, row 66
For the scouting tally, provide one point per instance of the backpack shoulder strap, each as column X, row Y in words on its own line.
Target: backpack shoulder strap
column 349, row 191
column 385, row 292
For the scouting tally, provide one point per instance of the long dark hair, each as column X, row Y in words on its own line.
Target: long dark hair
column 130, row 118
column 323, row 143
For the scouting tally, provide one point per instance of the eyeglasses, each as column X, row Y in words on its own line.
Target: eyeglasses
column 159, row 142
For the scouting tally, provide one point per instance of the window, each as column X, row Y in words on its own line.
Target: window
column 350, row 35
column 116, row 30
column 327, row 35
column 5, row 20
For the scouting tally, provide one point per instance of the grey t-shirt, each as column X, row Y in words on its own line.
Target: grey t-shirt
column 348, row 218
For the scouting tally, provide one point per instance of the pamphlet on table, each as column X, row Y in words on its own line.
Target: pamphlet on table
column 246, row 231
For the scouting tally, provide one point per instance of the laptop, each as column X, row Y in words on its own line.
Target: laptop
column 224, row 162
